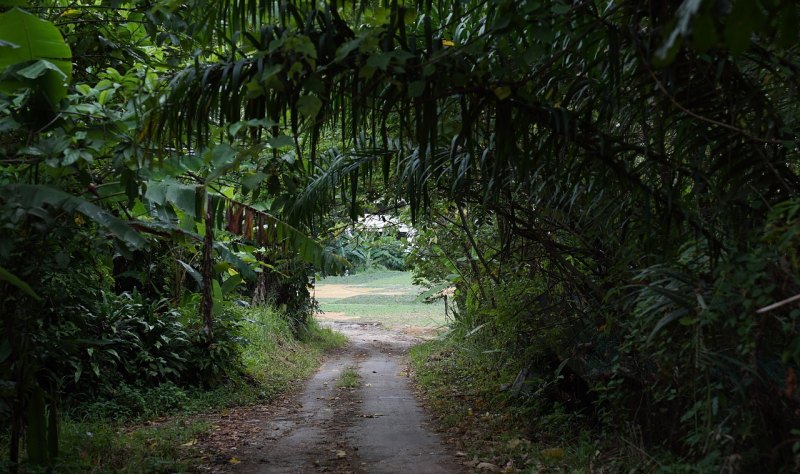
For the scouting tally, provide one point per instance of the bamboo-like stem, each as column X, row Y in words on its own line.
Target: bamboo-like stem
column 207, row 302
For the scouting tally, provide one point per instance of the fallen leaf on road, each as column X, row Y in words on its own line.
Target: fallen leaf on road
column 190, row 443
column 460, row 454
column 341, row 454
column 233, row 461
column 553, row 453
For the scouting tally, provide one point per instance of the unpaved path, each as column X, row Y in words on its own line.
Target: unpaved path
column 377, row 427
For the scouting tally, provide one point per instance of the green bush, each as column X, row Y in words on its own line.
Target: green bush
column 714, row 376
column 123, row 403
column 127, row 339
column 367, row 251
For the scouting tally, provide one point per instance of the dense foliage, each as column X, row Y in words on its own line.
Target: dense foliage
column 611, row 188
column 116, row 260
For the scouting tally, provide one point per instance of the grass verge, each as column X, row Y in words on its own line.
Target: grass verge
column 349, row 378
column 494, row 431
column 154, row 429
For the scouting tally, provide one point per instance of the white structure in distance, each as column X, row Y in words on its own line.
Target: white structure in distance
column 384, row 224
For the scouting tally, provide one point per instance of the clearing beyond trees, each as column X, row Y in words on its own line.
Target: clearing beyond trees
column 385, row 297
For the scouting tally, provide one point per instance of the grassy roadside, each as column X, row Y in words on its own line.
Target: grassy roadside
column 159, row 436
column 494, row 431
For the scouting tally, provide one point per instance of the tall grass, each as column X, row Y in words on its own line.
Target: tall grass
column 273, row 356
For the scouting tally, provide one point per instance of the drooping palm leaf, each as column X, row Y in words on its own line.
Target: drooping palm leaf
column 32, row 196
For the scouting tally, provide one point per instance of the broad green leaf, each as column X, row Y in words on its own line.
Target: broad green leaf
column 7, row 124
column 36, row 39
column 222, row 155
column 231, row 284
column 216, row 291
column 366, row 72
column 192, row 272
column 416, row 88
column 669, row 318
column 378, row 16
column 78, row 373
column 309, row 105
column 220, row 267
column 38, row 69
column 561, row 8
column 302, row 44
column 252, row 181
column 347, row 48
column 281, row 141
column 34, row 196
column 380, row 61
column 502, row 92
column 237, row 126
column 14, row 280
column 186, row 198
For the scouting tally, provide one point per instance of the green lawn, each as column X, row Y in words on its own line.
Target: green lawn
column 386, row 297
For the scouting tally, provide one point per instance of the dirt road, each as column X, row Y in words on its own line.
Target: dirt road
column 376, row 427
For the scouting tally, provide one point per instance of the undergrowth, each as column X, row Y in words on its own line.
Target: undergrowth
column 472, row 395
column 139, row 429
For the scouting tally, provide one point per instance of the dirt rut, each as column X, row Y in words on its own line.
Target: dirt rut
column 375, row 428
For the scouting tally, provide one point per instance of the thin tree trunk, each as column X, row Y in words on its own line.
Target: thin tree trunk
column 16, row 433
column 207, row 303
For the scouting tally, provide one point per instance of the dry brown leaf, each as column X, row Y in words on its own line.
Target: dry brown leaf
column 487, row 466
column 553, row 453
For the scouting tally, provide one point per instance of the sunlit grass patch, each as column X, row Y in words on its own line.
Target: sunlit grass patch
column 386, row 297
